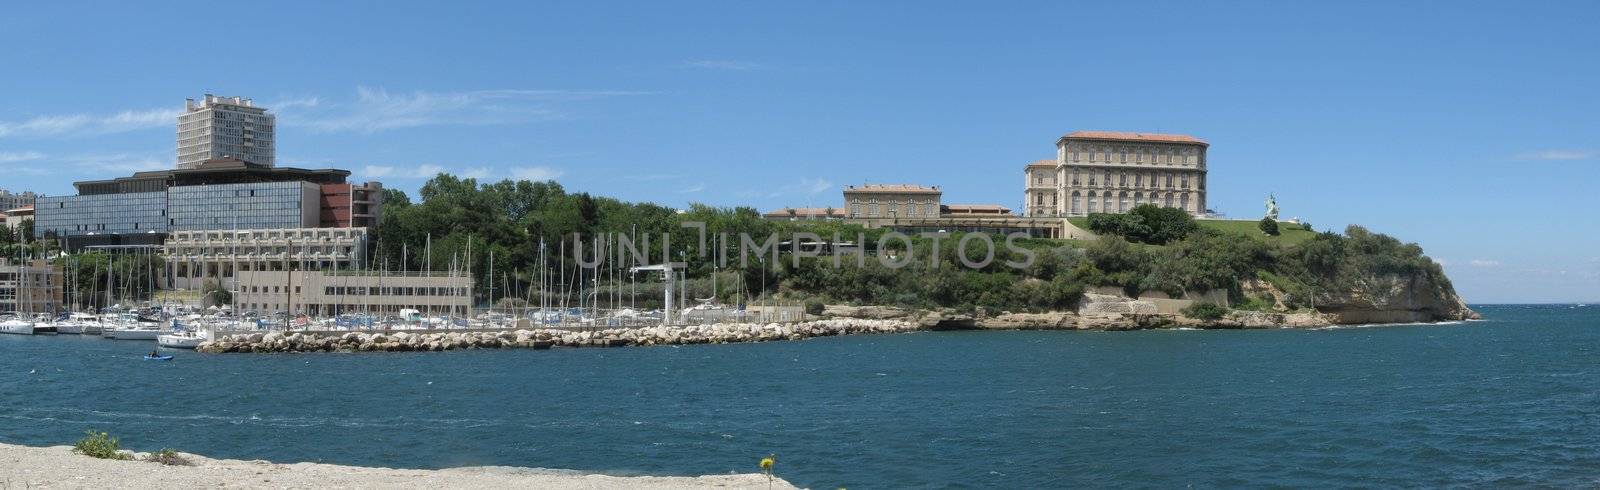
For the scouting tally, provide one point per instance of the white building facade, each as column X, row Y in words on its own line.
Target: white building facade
column 225, row 126
column 1111, row 172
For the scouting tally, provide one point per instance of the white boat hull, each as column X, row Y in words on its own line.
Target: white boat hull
column 16, row 328
column 177, row 341
column 133, row 334
column 69, row 329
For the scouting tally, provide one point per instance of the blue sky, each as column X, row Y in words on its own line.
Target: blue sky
column 1470, row 128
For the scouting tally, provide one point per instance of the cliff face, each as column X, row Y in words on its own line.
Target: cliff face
column 1395, row 299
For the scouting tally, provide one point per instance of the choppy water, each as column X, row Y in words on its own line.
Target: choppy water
column 1512, row 401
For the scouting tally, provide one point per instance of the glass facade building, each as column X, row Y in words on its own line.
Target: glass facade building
column 200, row 207
column 244, row 206
column 104, row 214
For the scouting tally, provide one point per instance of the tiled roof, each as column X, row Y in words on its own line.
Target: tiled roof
column 892, row 188
column 1043, row 163
column 977, row 207
column 1127, row 136
column 805, row 213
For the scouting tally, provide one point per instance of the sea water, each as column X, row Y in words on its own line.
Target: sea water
column 1510, row 401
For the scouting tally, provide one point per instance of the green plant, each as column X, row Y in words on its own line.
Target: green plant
column 814, row 307
column 169, row 457
column 1205, row 311
column 98, row 445
column 1269, row 226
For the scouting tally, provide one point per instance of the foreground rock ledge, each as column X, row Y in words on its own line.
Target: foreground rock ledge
column 58, row 467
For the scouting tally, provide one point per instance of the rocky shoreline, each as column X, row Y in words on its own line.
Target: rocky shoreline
column 402, row 341
column 1099, row 313
column 59, row 467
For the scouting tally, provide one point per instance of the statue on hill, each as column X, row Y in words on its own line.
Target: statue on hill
column 1272, row 207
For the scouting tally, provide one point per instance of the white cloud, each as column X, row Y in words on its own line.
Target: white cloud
column 377, row 109
column 378, row 171
column 723, row 65
column 1559, row 155
column 1484, row 263
column 283, row 105
column 693, row 188
column 814, row 186
column 67, row 125
column 475, row 173
column 1441, row 262
column 536, row 173
column 17, row 157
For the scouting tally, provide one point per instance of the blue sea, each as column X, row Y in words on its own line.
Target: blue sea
column 1513, row 400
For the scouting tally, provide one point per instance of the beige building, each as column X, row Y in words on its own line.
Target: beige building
column 326, row 293
column 800, row 214
column 1111, row 172
column 31, row 288
column 13, row 218
column 891, row 201
column 194, row 257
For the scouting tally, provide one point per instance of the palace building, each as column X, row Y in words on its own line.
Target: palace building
column 1111, row 172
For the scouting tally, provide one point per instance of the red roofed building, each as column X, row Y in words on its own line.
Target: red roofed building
column 1113, row 171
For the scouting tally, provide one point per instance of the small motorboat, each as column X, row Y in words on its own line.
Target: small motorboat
column 149, row 357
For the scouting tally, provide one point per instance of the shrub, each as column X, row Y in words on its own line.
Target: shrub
column 169, row 457
column 99, row 445
column 1145, row 223
column 1205, row 311
column 1269, row 226
column 814, row 307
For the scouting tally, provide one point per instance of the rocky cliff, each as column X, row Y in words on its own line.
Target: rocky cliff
column 1395, row 299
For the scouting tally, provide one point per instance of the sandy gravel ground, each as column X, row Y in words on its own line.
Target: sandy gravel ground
column 58, row 467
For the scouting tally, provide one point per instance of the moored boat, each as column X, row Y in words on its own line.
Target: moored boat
column 16, row 327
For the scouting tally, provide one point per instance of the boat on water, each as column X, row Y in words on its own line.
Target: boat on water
column 180, row 337
column 129, row 326
column 79, row 324
column 16, row 327
column 180, row 340
column 44, row 328
column 149, row 357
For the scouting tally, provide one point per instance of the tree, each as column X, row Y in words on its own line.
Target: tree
column 212, row 293
column 25, row 231
column 1269, row 226
column 1166, row 225
column 7, row 236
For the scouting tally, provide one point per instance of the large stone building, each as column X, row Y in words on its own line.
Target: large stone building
column 218, row 127
column 1111, row 172
column 891, row 201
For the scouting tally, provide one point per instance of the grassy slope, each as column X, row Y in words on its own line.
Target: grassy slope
column 1288, row 233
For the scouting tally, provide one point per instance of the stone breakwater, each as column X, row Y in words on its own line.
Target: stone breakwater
column 402, row 341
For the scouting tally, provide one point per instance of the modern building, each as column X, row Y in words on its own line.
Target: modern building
column 9, row 200
column 194, row 258
column 218, row 194
column 1111, row 172
column 329, row 293
column 33, row 287
column 225, row 127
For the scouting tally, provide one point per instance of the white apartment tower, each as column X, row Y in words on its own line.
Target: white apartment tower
column 224, row 126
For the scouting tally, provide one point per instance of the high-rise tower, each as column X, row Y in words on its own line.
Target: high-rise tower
column 224, row 126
